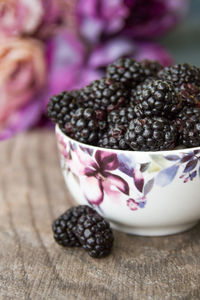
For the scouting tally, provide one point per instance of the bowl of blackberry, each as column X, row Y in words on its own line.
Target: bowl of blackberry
column 129, row 145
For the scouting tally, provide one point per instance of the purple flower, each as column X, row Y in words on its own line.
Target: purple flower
column 97, row 17
column 137, row 18
column 98, row 179
column 68, row 67
column 109, row 51
column 153, row 18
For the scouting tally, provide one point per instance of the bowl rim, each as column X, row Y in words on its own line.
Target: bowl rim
column 163, row 152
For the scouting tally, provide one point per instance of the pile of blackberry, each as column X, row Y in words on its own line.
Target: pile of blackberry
column 138, row 106
column 83, row 226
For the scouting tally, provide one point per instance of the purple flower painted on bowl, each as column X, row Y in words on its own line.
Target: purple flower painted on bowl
column 99, row 180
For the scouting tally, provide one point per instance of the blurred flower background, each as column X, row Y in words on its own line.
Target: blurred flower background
column 47, row 46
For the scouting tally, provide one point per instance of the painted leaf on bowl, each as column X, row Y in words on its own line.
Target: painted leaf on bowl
column 193, row 175
column 138, row 180
column 144, row 166
column 87, row 150
column 187, row 157
column 190, row 165
column 196, row 152
column 148, row 186
column 172, row 157
column 125, row 165
column 166, row 176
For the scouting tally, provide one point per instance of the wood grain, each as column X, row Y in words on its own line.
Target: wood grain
column 33, row 266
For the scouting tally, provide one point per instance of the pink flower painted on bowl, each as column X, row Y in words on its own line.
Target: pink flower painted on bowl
column 98, row 179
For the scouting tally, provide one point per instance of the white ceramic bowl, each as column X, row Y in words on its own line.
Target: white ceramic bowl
column 143, row 193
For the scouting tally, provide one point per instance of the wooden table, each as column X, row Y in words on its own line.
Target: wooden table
column 33, row 266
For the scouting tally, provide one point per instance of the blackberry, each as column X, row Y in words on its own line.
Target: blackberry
column 189, row 113
column 189, row 126
column 63, row 226
column 190, row 94
column 121, row 116
column 94, row 234
column 151, row 134
column 104, row 95
column 139, row 88
column 61, row 107
column 113, row 138
column 86, row 125
column 151, row 68
column 179, row 74
column 126, row 70
column 158, row 98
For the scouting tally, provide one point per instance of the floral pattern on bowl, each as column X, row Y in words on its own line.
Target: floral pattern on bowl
column 102, row 173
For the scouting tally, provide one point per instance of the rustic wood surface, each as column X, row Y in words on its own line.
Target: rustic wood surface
column 33, row 266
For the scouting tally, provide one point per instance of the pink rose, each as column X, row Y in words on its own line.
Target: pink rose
column 19, row 16
column 22, row 76
column 34, row 17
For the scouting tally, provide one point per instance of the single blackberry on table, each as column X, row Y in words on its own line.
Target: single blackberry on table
column 86, row 125
column 94, row 234
column 61, row 107
column 126, row 70
column 151, row 68
column 63, row 226
column 180, row 73
column 113, row 138
column 158, row 98
column 190, row 94
column 188, row 122
column 151, row 134
column 104, row 95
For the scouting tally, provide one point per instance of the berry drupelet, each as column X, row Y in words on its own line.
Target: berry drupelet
column 94, row 234
column 61, row 107
column 180, row 73
column 126, row 70
column 104, row 95
column 63, row 226
column 151, row 134
column 157, row 98
column 151, row 68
